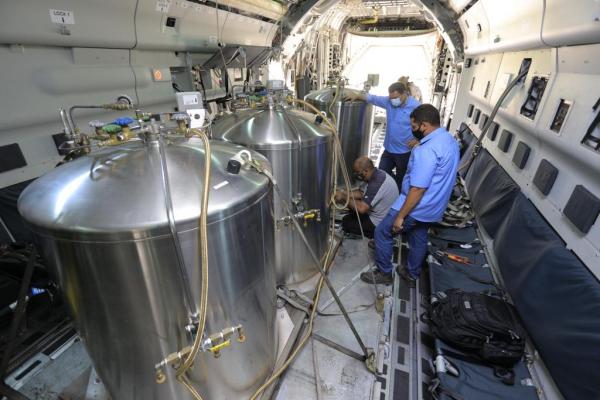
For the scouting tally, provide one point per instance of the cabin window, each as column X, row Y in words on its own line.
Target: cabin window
column 11, row 157
column 470, row 110
column 170, row 22
column 521, row 155
column 505, row 140
column 592, row 136
column 484, row 120
column 561, row 115
column 582, row 209
column 487, row 89
column 534, row 97
column 493, row 131
column 476, row 116
column 545, row 176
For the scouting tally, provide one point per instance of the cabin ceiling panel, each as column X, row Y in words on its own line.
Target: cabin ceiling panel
column 195, row 28
column 476, row 30
column 514, row 24
column 571, row 22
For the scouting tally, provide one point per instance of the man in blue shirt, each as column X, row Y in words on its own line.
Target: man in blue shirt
column 399, row 139
column 425, row 193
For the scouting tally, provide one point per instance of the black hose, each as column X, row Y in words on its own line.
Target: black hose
column 490, row 120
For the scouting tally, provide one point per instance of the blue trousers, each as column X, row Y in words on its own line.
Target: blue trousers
column 389, row 161
column 417, row 233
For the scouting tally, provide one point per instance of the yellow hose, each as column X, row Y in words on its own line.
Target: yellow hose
column 308, row 334
column 338, row 153
column 203, row 248
column 339, row 157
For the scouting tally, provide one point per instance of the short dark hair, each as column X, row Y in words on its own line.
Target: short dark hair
column 397, row 87
column 364, row 162
column 426, row 113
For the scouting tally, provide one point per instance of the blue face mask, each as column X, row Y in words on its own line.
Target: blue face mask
column 397, row 102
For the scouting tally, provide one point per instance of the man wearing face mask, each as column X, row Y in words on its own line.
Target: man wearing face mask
column 398, row 138
column 372, row 203
column 424, row 196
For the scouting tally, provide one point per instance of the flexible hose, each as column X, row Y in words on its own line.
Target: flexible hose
column 335, row 98
column 338, row 153
column 308, row 333
column 338, row 156
column 203, row 248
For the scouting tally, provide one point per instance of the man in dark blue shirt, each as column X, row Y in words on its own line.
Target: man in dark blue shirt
column 399, row 139
column 425, row 193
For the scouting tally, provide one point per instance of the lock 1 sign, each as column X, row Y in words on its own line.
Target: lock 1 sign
column 63, row 17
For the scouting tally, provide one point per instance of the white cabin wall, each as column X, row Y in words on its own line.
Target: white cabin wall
column 110, row 50
column 573, row 74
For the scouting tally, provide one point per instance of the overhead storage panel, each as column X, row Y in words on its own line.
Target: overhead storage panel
column 193, row 27
column 571, row 22
column 514, row 24
column 475, row 27
column 70, row 23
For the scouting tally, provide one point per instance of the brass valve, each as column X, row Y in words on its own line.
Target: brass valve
column 213, row 344
column 220, row 340
column 304, row 216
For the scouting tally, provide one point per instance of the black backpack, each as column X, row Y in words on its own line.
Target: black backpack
column 482, row 326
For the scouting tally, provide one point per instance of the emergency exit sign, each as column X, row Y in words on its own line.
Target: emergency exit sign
column 64, row 17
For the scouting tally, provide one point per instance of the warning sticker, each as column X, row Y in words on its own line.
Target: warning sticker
column 63, row 17
column 163, row 5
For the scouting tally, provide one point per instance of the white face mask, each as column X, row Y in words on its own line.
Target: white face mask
column 397, row 102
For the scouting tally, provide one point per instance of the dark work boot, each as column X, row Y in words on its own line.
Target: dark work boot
column 375, row 276
column 408, row 278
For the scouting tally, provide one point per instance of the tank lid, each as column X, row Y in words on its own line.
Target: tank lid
column 271, row 129
column 117, row 193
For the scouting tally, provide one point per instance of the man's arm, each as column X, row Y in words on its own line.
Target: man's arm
column 355, row 203
column 354, row 95
column 415, row 194
column 359, row 206
column 341, row 195
column 379, row 101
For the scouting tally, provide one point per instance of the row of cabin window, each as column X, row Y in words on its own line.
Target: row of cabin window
column 583, row 207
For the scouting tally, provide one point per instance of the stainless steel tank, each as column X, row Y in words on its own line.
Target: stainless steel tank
column 102, row 224
column 354, row 123
column 300, row 153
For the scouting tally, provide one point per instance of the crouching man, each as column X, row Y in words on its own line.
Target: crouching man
column 425, row 193
column 373, row 203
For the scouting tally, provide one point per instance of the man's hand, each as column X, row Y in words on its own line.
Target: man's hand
column 412, row 143
column 340, row 196
column 398, row 224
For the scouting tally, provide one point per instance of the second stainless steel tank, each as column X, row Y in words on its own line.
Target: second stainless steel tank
column 300, row 153
column 354, row 120
column 102, row 224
